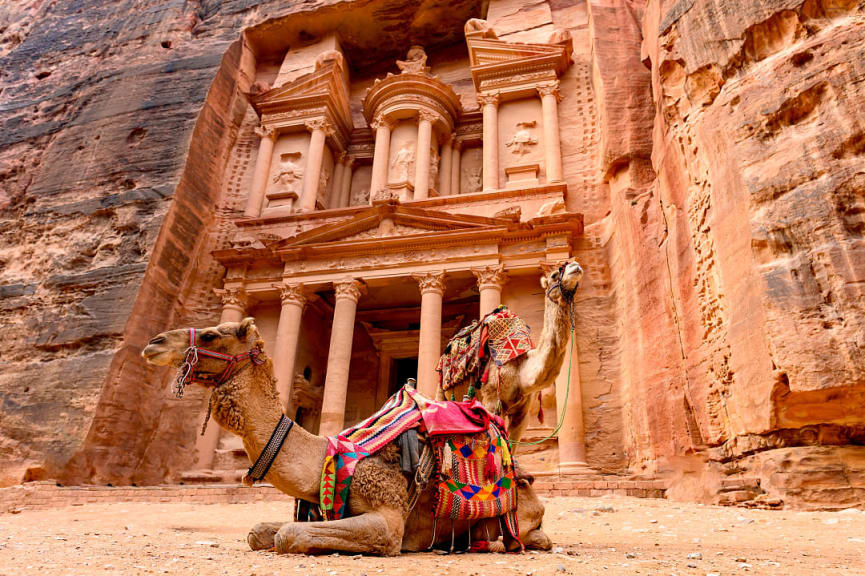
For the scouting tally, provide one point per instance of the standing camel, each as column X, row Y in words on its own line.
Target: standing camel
column 244, row 402
column 516, row 383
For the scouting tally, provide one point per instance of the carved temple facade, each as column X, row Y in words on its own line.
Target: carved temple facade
column 379, row 212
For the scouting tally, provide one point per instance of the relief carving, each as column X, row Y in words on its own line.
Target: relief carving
column 289, row 174
column 475, row 180
column 522, row 140
column 403, row 163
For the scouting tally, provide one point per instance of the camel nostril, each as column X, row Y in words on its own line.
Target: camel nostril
column 157, row 340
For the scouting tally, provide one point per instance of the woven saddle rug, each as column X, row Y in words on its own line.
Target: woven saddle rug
column 500, row 336
column 474, row 472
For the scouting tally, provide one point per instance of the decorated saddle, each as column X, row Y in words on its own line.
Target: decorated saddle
column 500, row 336
column 472, row 469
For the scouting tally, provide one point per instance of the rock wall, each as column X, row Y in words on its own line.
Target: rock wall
column 739, row 252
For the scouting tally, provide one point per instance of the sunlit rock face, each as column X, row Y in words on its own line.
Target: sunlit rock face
column 711, row 153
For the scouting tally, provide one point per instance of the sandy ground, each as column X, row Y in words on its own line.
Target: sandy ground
column 609, row 535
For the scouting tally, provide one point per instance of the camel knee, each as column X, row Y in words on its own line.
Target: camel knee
column 537, row 540
column 261, row 535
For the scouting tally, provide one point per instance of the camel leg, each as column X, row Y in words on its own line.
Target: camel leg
column 517, row 423
column 379, row 533
column 261, row 535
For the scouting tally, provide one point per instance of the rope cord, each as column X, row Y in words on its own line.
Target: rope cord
column 564, row 407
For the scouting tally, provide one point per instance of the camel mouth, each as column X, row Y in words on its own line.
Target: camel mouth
column 571, row 276
column 156, row 356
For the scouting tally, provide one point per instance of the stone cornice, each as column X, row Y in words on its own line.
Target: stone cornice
column 513, row 68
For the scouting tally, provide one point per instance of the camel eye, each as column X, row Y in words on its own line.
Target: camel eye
column 555, row 275
column 208, row 337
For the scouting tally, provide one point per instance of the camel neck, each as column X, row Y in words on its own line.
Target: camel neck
column 248, row 406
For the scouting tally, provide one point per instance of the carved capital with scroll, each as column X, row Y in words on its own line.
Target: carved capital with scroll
column 320, row 124
column 430, row 282
column 489, row 99
column 550, row 89
column 491, row 276
column 349, row 289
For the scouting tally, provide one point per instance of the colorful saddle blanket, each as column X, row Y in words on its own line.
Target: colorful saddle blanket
column 475, row 477
column 501, row 336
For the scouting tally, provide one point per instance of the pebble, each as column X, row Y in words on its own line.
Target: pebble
column 560, row 568
column 630, row 555
column 558, row 550
column 691, row 565
column 695, row 556
column 741, row 559
column 605, row 509
column 210, row 543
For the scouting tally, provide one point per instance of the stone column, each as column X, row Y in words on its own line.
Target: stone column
column 490, row 105
column 262, row 171
column 320, row 129
column 491, row 279
column 445, row 170
column 430, row 340
column 456, row 176
column 572, row 438
column 345, row 193
column 336, row 186
column 552, row 146
column 381, row 155
column 233, row 310
column 339, row 357
column 287, row 335
column 422, row 156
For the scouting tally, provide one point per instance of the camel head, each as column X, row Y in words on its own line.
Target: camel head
column 561, row 283
column 229, row 339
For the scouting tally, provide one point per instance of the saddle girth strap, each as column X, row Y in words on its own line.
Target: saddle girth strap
column 264, row 461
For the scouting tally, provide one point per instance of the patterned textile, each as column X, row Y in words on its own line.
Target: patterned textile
column 446, row 417
column 500, row 335
column 476, row 477
column 345, row 450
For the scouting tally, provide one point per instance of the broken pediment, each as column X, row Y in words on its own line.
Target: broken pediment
column 501, row 65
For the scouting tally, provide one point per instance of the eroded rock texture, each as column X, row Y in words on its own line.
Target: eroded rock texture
column 754, row 300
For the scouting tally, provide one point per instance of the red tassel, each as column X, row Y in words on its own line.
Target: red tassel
column 486, row 375
column 490, row 469
column 540, row 408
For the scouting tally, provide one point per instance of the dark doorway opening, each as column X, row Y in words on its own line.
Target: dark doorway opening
column 402, row 370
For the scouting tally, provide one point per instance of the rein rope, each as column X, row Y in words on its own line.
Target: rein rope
column 187, row 374
column 568, row 295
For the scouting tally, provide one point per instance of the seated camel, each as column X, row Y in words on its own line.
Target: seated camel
column 230, row 361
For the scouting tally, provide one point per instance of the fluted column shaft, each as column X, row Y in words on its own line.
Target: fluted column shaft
column 233, row 310
column 552, row 145
column 430, row 339
column 262, row 170
column 333, row 198
column 445, row 171
column 287, row 336
column 345, row 193
column 314, row 157
column 491, row 279
column 490, row 104
column 456, row 174
column 339, row 357
column 381, row 156
column 421, row 166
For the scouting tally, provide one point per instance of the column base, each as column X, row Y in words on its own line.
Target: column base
column 577, row 467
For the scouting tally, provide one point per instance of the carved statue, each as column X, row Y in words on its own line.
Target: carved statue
column 433, row 166
column 289, row 172
column 480, row 28
column 522, row 139
column 415, row 61
column 475, row 180
column 403, row 163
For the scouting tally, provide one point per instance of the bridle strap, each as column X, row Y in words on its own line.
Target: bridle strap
column 188, row 375
column 265, row 460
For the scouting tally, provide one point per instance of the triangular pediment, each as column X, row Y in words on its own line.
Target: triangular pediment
column 496, row 62
column 389, row 222
column 483, row 52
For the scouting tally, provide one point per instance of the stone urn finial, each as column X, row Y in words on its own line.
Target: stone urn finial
column 415, row 61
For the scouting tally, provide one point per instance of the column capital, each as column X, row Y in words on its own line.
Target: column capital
column 348, row 160
column 350, row 289
column 292, row 294
column 489, row 98
column 550, row 89
column 234, row 296
column 320, row 124
column 456, row 143
column 491, row 276
column 263, row 131
column 430, row 281
column 426, row 115
column 381, row 121
column 340, row 157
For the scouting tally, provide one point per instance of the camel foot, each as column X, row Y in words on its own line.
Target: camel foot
column 262, row 534
column 365, row 534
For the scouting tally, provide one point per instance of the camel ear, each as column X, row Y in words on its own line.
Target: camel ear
column 245, row 328
column 545, row 282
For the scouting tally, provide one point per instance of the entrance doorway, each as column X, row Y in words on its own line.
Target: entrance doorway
column 401, row 370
